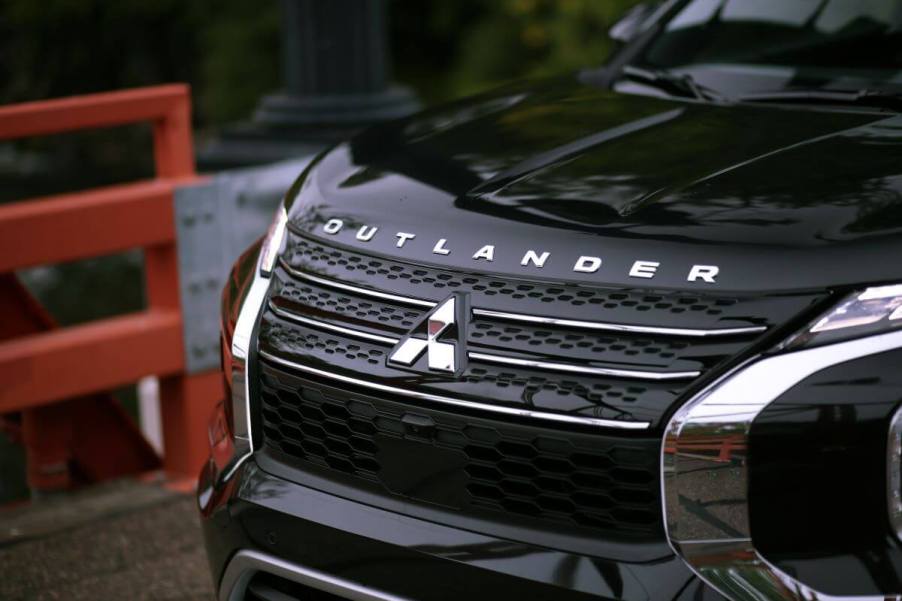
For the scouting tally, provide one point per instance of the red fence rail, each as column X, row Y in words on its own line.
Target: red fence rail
column 50, row 366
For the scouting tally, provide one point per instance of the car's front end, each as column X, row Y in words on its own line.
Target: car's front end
column 572, row 340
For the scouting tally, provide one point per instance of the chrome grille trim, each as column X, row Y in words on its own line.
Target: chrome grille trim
column 491, row 358
column 525, row 318
column 591, row 371
column 527, row 413
column 614, row 327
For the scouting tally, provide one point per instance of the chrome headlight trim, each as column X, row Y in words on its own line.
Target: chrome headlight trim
column 894, row 473
column 706, row 441
column 242, row 338
column 274, row 241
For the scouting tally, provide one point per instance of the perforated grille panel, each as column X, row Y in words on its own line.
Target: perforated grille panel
column 336, row 406
column 434, row 283
column 330, row 301
column 603, row 483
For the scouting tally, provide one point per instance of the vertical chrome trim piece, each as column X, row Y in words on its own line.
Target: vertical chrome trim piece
column 251, row 306
column 244, row 564
column 894, row 473
column 704, row 467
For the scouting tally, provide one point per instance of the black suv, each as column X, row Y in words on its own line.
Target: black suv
column 631, row 333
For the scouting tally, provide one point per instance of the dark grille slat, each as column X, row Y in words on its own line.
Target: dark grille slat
column 603, row 483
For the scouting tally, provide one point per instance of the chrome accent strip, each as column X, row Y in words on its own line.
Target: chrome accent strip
column 595, row 371
column 546, row 365
column 355, row 289
column 423, row 396
column 522, row 317
column 251, row 305
column 244, row 564
column 315, row 323
column 704, row 463
column 615, row 327
column 894, row 473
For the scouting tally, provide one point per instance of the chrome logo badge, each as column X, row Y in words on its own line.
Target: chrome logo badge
column 440, row 335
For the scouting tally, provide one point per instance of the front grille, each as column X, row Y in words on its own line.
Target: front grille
column 481, row 466
column 547, row 443
column 574, row 301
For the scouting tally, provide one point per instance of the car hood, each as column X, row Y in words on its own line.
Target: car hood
column 776, row 198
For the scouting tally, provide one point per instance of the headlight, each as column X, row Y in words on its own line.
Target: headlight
column 872, row 311
column 705, row 459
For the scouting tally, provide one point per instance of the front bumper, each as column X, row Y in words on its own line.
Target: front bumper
column 257, row 522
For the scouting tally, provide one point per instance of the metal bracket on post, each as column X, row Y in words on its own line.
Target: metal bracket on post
column 215, row 222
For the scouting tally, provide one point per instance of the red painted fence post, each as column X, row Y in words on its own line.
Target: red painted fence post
column 41, row 369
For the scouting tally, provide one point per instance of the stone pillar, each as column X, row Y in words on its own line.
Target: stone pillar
column 336, row 79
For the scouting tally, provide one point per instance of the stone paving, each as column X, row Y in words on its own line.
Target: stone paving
column 125, row 540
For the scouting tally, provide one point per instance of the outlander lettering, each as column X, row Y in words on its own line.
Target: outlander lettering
column 530, row 258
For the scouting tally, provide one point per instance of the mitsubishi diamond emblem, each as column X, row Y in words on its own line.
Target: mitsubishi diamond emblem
column 440, row 335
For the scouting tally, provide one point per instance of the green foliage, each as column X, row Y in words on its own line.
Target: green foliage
column 229, row 49
column 493, row 42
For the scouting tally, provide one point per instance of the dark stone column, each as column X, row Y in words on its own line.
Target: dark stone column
column 336, row 79
column 335, row 66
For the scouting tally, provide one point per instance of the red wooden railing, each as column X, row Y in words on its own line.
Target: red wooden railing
column 42, row 366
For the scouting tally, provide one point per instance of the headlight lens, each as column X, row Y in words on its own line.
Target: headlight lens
column 872, row 311
column 705, row 458
column 274, row 241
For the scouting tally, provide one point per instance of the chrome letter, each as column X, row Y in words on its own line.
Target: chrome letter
column 587, row 264
column 535, row 259
column 364, row 235
column 439, row 248
column 402, row 238
column 644, row 269
column 333, row 226
column 487, row 252
column 706, row 273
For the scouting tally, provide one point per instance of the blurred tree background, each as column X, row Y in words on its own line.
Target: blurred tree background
column 229, row 50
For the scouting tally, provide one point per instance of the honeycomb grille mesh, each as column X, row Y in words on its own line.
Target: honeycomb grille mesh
column 309, row 255
column 365, row 310
column 606, row 484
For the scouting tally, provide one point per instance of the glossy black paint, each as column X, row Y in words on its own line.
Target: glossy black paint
column 818, row 505
column 411, row 557
column 789, row 202
column 779, row 198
